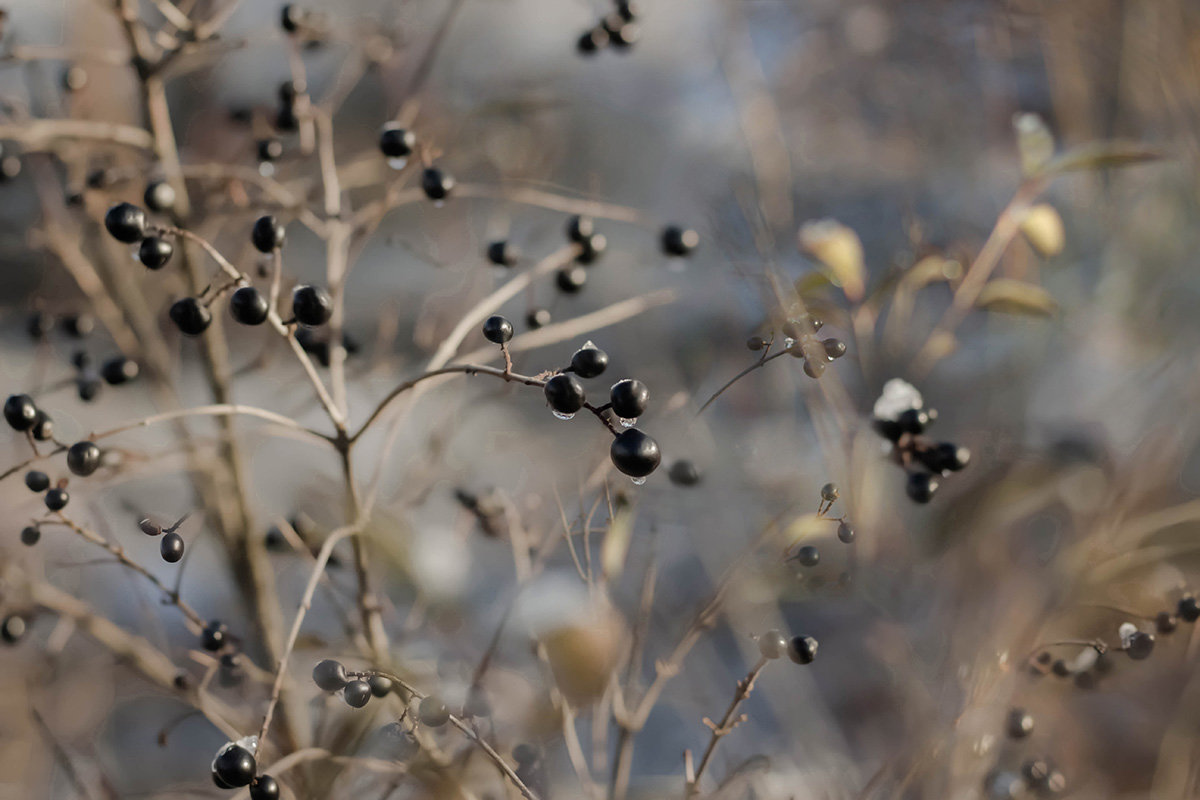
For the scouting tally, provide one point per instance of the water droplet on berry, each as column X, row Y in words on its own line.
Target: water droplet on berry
column 627, row 423
column 397, row 163
column 789, row 343
column 561, row 415
column 638, row 481
column 266, row 169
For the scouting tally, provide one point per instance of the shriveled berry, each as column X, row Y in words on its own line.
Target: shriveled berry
column 538, row 318
column 154, row 252
column 1020, row 723
column 380, row 686
column 678, row 241
column 570, row 280
column 1140, row 646
column 634, row 453
column 684, row 473
column 564, row 394
column 191, row 316
column 589, row 361
column 629, row 398
column 802, row 649
column 235, row 765
column 56, row 499
column 30, row 535
column 118, row 370
column 213, row 636
column 311, row 305
column 264, row 787
column 436, row 184
column 43, row 427
column 772, row 644
column 267, row 235
column 329, row 675
column 150, row 527
column 248, row 306
column 12, row 629
column 497, row 329
column 356, row 693
column 20, row 412
column 171, row 547
column 396, row 142
column 126, row 223
column 502, row 253
column 433, row 712
column 83, row 458
column 159, row 196
column 37, row 481
column 921, row 486
column 846, row 532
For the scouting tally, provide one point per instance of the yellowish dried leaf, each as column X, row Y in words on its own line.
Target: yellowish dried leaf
column 1016, row 297
column 1043, row 227
column 838, row 248
column 616, row 544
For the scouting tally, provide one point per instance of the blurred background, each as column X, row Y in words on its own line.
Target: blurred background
column 742, row 119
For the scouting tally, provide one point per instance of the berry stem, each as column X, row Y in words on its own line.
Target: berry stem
column 757, row 364
column 728, row 722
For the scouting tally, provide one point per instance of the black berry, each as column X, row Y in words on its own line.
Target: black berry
column 83, row 458
column 88, row 385
column 834, row 348
column 396, row 142
column 57, row 499
column 808, row 556
column 629, row 398
column 1189, row 609
column 433, row 712
column 37, row 481
column 356, row 693
column 30, row 535
column 79, row 326
column 436, row 184
column 913, row 420
column 684, row 473
column 12, row 629
column 380, row 686
column 591, row 248
column 756, row 343
column 154, row 252
column 580, row 227
column 921, row 486
column 677, row 241
column 1020, row 723
column 39, row 324
column 538, row 318
column 126, row 223
column 845, row 532
column 1165, row 622
column 570, row 280
column 264, row 787
column 635, row 453
column 267, row 235
column 592, row 41
column 802, row 649
column 1140, row 646
column 159, row 196
column 589, row 361
column 191, row 316
column 43, row 427
column 564, row 394
column 497, row 329
column 235, row 766
column 119, row 370
column 20, row 412
column 311, row 305
column 171, row 547
column 829, row 492
column 213, row 637
column 150, row 527
column 772, row 644
column 502, row 254
column 248, row 306
column 329, row 675
column 270, row 150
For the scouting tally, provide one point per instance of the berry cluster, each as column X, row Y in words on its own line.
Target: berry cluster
column 901, row 418
column 773, row 644
column 234, row 766
column 618, row 29
column 801, row 341
column 358, row 688
column 115, row 371
column 809, row 555
column 171, row 546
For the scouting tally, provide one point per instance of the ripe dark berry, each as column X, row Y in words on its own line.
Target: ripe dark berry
column 356, row 693
column 684, row 473
column 1165, row 622
column 502, row 254
column 829, row 492
column 948, row 457
column 213, row 637
column 380, row 686
column 813, row 368
column 677, row 241
column 433, row 712
column 37, row 481
column 12, row 629
column 834, row 348
column 592, row 40
column 83, row 458
column 88, row 385
column 913, row 420
column 629, row 398
column 291, row 18
column 921, row 486
column 497, row 329
column 20, row 412
column 564, row 394
column 1140, row 645
column 80, row 359
column 79, row 326
column 525, row 754
column 570, row 280
column 235, row 766
column 56, row 499
column 589, row 361
column 154, row 252
column 888, row 429
column 538, row 318
column 627, row 10
column 396, row 142
column 264, row 787
column 171, row 547
column 267, row 235
column 772, row 644
column 1020, row 723
column 1189, row 608
column 126, row 223
column 286, row 119
column 635, row 453
column 311, row 305
column 270, row 150
column 43, row 427
column 808, row 556
column 30, row 535
column 150, row 527
column 248, row 306
column 191, row 316
column 580, row 227
column 802, row 649
column 756, row 343
column 845, row 532
column 119, row 370
column 436, row 184
column 591, row 248
column 622, row 34
column 329, row 675
column 159, row 196
column 39, row 324
column 1060, row 668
